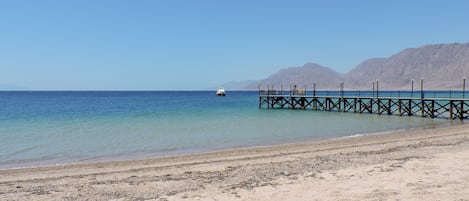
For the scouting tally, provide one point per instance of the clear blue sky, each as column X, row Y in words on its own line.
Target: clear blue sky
column 196, row 44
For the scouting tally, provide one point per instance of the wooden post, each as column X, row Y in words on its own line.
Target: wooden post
column 260, row 102
column 421, row 88
column 342, row 89
column 461, row 114
column 339, row 102
column 360, row 104
column 451, row 109
column 399, row 105
column 433, row 109
column 281, row 101
column 410, row 107
column 389, row 106
column 423, row 107
column 314, row 89
column 379, row 105
column 302, row 102
column 412, row 89
column 313, row 104
column 463, row 87
column 354, row 104
column 421, row 97
column 377, row 88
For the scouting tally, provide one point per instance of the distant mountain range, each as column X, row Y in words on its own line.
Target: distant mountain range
column 442, row 67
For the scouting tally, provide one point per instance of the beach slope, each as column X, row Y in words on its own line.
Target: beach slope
column 423, row 164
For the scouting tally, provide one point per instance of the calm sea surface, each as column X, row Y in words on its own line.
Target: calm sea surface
column 41, row 128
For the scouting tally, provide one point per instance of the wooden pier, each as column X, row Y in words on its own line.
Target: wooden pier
column 449, row 108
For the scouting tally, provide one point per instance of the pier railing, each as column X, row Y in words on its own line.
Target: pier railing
column 432, row 104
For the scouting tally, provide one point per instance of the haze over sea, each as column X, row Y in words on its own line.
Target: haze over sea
column 43, row 128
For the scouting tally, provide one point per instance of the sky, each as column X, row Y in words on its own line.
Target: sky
column 201, row 44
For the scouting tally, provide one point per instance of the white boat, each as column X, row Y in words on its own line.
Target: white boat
column 221, row 92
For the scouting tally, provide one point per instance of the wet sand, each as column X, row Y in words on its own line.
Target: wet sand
column 424, row 164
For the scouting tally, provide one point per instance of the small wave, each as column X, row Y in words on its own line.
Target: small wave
column 352, row 136
column 375, row 133
column 388, row 132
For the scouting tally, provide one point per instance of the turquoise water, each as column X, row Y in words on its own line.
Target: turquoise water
column 41, row 128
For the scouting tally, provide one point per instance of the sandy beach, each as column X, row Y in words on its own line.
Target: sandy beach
column 421, row 164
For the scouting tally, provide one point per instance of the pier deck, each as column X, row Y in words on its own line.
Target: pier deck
column 449, row 108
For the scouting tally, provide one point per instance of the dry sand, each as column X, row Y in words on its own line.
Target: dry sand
column 427, row 164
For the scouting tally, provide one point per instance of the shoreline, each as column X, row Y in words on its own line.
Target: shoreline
column 195, row 151
column 243, row 173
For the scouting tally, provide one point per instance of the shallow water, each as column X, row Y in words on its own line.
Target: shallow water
column 39, row 128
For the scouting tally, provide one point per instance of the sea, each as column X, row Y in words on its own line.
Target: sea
column 40, row 128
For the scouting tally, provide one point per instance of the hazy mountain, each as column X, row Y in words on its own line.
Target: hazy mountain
column 301, row 76
column 441, row 67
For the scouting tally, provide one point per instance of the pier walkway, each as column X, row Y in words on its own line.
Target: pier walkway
column 381, row 104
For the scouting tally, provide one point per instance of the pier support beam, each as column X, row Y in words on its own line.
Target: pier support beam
column 423, row 107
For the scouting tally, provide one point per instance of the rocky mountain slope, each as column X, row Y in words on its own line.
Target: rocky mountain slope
column 305, row 75
column 441, row 66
